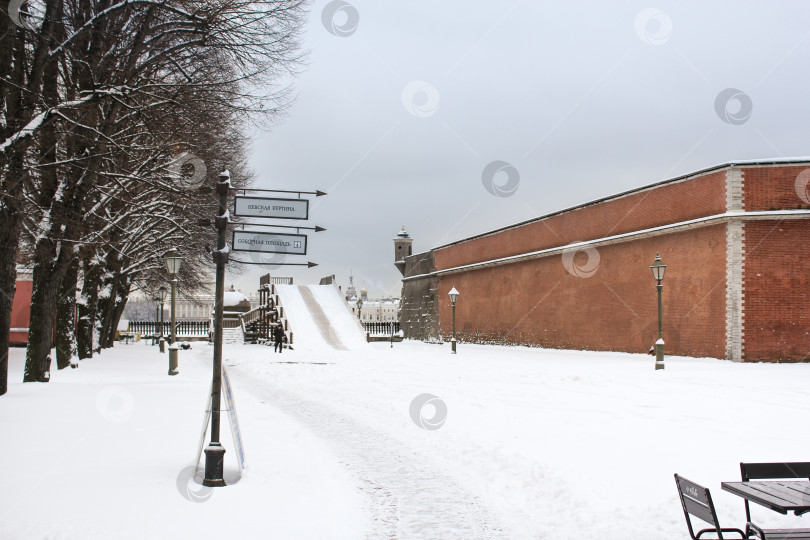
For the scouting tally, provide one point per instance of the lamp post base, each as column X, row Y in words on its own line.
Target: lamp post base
column 453, row 346
column 659, row 354
column 173, row 360
column 214, row 465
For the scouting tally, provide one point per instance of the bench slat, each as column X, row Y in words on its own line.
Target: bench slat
column 699, row 510
column 787, row 534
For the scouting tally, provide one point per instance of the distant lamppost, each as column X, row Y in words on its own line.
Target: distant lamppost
column 453, row 298
column 162, row 292
column 658, row 268
column 359, row 309
column 173, row 260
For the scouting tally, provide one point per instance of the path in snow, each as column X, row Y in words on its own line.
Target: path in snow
column 406, row 496
column 321, row 320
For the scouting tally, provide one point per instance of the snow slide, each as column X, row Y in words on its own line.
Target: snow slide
column 319, row 318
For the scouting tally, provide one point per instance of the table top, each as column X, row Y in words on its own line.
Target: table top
column 782, row 496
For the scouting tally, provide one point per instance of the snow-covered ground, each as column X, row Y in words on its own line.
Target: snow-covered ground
column 536, row 443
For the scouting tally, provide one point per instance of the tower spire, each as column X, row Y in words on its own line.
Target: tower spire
column 350, row 291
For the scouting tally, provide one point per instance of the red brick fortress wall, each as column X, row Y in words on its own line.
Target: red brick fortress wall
column 776, row 188
column 734, row 238
column 695, row 197
column 777, row 300
column 777, row 266
column 546, row 302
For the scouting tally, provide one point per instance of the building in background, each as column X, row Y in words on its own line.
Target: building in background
column 375, row 310
column 21, row 306
column 195, row 307
column 351, row 292
column 380, row 310
column 734, row 237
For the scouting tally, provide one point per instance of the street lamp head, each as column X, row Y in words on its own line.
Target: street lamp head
column 172, row 260
column 658, row 268
column 453, row 295
column 359, row 303
column 162, row 292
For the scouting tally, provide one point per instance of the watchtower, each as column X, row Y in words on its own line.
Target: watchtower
column 402, row 249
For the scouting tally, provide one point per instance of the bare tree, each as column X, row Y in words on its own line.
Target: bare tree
column 89, row 97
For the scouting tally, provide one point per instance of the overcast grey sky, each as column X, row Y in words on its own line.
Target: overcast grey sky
column 404, row 104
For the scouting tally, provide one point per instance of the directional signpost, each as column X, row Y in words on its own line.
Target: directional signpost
column 273, row 208
column 256, row 241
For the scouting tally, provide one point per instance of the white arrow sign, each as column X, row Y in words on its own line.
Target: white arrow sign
column 267, row 242
column 266, row 207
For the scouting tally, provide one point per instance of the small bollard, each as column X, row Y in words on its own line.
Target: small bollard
column 173, row 359
column 162, row 344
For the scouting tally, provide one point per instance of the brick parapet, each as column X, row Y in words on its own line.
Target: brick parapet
column 690, row 198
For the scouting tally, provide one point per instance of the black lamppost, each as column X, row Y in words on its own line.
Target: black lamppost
column 162, row 292
column 214, row 452
column 173, row 260
column 658, row 268
column 359, row 309
column 453, row 298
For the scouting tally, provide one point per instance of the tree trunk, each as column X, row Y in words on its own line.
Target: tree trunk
column 66, row 317
column 104, row 318
column 10, row 219
column 120, row 302
column 49, row 271
column 9, row 238
column 87, row 307
column 11, row 184
column 50, row 259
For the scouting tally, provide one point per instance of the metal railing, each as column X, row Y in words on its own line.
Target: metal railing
column 267, row 279
column 182, row 328
column 381, row 328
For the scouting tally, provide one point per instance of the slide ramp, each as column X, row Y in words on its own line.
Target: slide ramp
column 319, row 318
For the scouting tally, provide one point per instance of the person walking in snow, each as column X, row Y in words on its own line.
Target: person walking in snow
column 278, row 337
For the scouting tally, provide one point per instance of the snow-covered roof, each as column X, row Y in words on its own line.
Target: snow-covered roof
column 24, row 273
column 233, row 298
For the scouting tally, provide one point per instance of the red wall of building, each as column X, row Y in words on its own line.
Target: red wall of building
column 697, row 197
column 21, row 312
column 539, row 302
column 777, row 290
column 772, row 188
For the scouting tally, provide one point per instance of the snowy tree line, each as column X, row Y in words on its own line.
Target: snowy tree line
column 117, row 116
